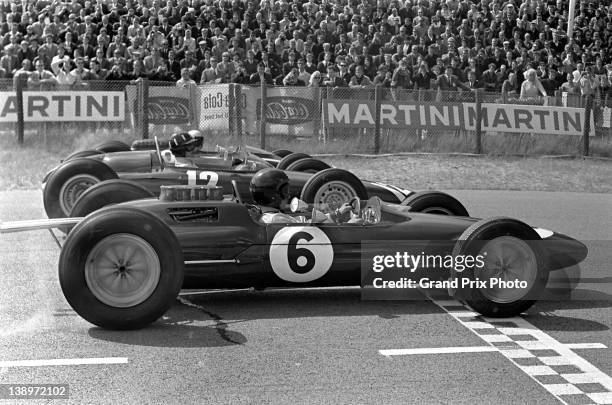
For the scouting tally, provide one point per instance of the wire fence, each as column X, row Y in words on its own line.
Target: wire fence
column 276, row 117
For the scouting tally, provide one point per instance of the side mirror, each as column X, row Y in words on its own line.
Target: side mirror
column 297, row 205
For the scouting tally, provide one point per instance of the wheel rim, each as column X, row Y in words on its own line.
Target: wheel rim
column 73, row 188
column 122, row 270
column 438, row 211
column 334, row 194
column 507, row 258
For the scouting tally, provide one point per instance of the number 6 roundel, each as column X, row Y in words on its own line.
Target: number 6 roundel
column 300, row 254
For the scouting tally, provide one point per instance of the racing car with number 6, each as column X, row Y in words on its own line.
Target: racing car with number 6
column 122, row 266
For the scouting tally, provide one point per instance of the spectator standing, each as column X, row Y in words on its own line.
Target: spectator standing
column 40, row 78
column 332, row 79
column 401, row 77
column 9, row 61
column 65, row 79
column 185, row 81
column 531, row 87
column 359, row 80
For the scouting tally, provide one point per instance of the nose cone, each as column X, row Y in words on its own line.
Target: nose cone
column 562, row 251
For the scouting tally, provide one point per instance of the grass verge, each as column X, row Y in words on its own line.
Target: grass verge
column 25, row 166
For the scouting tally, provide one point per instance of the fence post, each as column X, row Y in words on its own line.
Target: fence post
column 231, row 107
column 316, row 125
column 377, row 103
column 145, row 107
column 238, row 111
column 478, row 121
column 20, row 83
column 262, row 115
column 588, row 110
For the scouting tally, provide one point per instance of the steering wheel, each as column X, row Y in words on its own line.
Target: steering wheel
column 355, row 204
column 159, row 156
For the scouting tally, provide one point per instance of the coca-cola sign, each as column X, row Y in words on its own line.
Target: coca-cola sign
column 169, row 110
column 287, row 110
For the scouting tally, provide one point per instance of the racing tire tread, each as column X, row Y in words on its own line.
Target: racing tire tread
column 490, row 228
column 93, row 229
column 64, row 172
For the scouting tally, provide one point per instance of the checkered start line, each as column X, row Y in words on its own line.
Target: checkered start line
column 552, row 364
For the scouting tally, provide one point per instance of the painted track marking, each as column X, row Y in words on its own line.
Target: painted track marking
column 63, row 362
column 554, row 360
column 552, row 364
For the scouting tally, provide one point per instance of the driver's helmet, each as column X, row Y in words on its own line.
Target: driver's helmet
column 182, row 142
column 269, row 187
column 197, row 134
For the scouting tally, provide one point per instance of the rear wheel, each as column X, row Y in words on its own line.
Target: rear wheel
column 435, row 202
column 287, row 160
column 69, row 181
column 512, row 267
column 121, row 268
column 108, row 192
column 333, row 187
column 308, row 165
column 112, row 146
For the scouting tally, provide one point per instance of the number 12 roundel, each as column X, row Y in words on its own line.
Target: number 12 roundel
column 300, row 254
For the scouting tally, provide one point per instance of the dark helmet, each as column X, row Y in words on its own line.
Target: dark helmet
column 183, row 142
column 269, row 187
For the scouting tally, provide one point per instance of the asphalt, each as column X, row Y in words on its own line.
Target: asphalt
column 296, row 346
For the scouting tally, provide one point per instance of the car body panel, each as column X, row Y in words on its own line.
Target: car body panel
column 236, row 251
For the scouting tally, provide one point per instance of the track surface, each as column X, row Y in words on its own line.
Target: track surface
column 319, row 346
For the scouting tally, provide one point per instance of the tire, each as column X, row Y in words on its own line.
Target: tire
column 112, row 146
column 287, row 160
column 435, row 202
column 308, row 165
column 281, row 153
column 69, row 180
column 149, row 144
column 333, row 187
column 121, row 231
column 497, row 235
column 82, row 153
column 106, row 193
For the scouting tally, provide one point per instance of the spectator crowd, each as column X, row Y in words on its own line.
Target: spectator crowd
column 509, row 46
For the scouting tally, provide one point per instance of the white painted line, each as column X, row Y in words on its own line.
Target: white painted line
column 601, row 397
column 580, row 378
column 478, row 325
column 496, row 338
column 538, row 370
column 63, row 362
column 586, row 346
column 517, row 353
column 543, row 341
column 438, row 350
column 562, row 389
column 556, row 361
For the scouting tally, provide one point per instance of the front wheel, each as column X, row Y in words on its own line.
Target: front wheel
column 284, row 163
column 333, row 187
column 121, row 268
column 308, row 165
column 281, row 153
column 435, row 202
column 508, row 260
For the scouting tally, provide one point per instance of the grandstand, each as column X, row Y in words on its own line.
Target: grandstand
column 413, row 44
